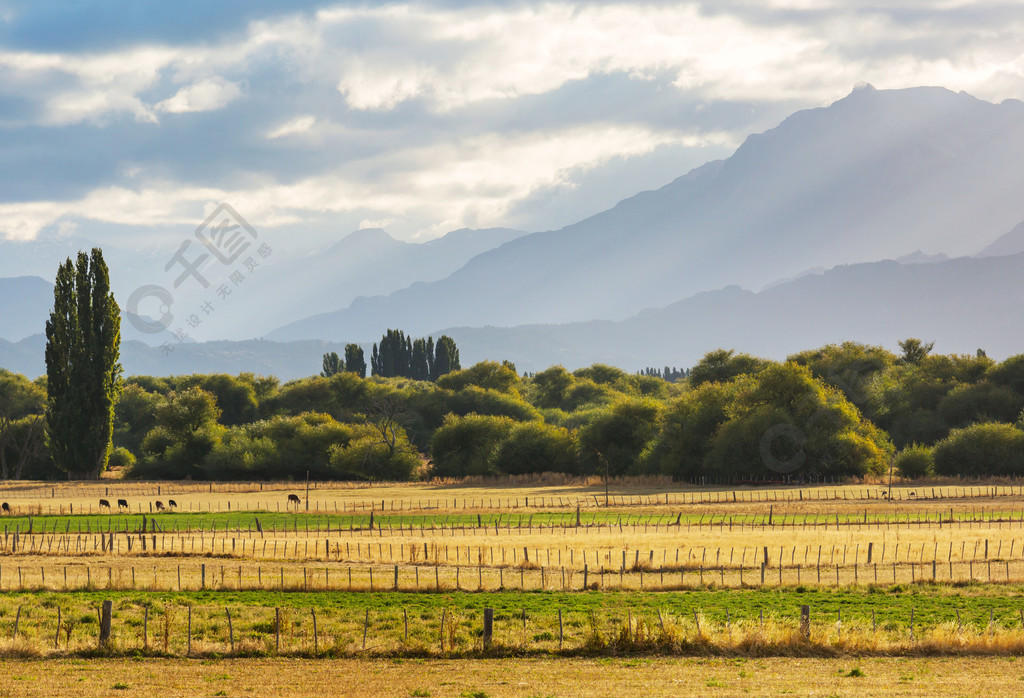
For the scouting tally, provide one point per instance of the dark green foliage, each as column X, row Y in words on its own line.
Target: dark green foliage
column 849, row 367
column 533, row 447
column 618, row 435
column 915, row 461
column 486, row 374
column 186, row 432
column 135, row 416
column 1009, row 373
column 690, row 425
column 398, row 355
column 980, row 402
column 721, row 365
column 981, row 450
column 419, row 369
column 743, row 417
column 779, row 422
column 914, row 350
column 22, row 404
column 236, row 398
column 83, row 339
column 332, row 364
column 601, row 374
column 121, row 458
column 463, row 445
column 446, row 357
column 354, row 361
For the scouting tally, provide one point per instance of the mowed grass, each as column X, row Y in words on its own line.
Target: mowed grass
column 441, row 678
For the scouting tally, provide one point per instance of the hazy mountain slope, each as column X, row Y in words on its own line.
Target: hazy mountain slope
column 962, row 304
column 1010, row 243
column 367, row 262
column 25, row 303
column 287, row 285
column 286, row 360
column 876, row 175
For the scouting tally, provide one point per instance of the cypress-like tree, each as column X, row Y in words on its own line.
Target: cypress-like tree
column 354, row 361
column 446, row 357
column 419, row 370
column 83, row 341
column 332, row 364
column 375, row 366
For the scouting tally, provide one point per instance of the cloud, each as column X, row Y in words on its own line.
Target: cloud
column 206, row 95
column 432, row 116
column 473, row 182
column 300, row 124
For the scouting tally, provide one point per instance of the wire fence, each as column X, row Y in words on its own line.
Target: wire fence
column 178, row 627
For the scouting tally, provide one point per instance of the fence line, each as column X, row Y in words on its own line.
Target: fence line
column 438, row 578
column 259, row 629
column 592, row 500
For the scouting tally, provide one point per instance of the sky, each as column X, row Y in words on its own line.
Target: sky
column 128, row 121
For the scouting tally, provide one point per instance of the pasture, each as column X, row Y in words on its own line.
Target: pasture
column 349, row 573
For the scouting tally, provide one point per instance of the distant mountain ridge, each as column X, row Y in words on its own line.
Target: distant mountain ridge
column 876, row 175
column 25, row 303
column 286, row 286
column 961, row 304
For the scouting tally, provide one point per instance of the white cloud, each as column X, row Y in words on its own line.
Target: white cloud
column 207, row 95
column 440, row 163
column 474, row 182
column 379, row 223
column 300, row 124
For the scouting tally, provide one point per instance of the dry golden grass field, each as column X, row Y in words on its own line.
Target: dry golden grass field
column 727, row 568
column 625, row 678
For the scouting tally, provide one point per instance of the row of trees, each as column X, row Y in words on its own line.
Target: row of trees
column 841, row 410
column 819, row 413
column 419, row 359
column 353, row 362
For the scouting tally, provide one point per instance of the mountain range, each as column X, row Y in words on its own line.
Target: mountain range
column 773, row 250
column 876, row 175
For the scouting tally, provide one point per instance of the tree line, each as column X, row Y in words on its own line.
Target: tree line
column 842, row 410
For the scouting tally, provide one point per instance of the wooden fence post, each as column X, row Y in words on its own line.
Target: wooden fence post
column 105, row 612
column 231, row 630
column 316, row 643
column 489, row 627
column 805, row 622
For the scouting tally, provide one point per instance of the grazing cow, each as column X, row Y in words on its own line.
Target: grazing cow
column 294, row 498
column 6, row 508
column 122, row 504
column 913, row 494
column 104, row 503
column 172, row 504
column 159, row 505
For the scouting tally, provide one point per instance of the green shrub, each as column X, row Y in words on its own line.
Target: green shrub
column 981, row 450
column 915, row 461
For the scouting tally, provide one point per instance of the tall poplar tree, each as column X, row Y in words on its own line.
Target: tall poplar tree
column 354, row 361
column 83, row 341
column 446, row 357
